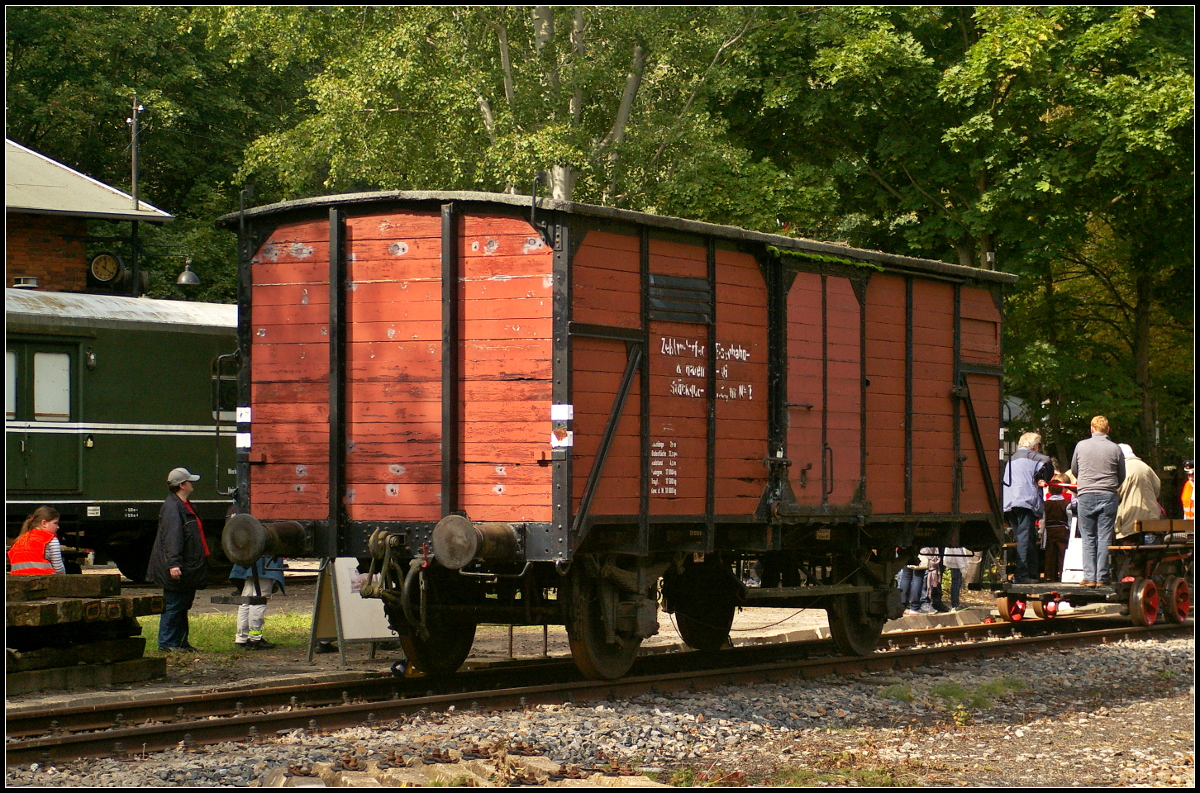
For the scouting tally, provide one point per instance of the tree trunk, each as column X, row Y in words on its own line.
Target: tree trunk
column 562, row 182
column 1148, row 450
column 580, row 53
column 965, row 251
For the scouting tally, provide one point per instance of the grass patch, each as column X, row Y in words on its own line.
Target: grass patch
column 690, row 776
column 955, row 696
column 993, row 689
column 951, row 693
column 214, row 633
column 897, row 691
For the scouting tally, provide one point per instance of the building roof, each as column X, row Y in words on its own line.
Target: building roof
column 32, row 310
column 36, row 184
column 432, row 199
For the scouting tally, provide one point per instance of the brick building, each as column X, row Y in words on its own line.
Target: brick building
column 47, row 207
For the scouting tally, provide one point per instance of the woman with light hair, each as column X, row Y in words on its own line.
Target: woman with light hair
column 1027, row 473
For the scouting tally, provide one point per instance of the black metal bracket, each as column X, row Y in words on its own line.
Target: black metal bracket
column 544, row 228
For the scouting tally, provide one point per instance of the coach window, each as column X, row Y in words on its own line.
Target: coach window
column 51, row 386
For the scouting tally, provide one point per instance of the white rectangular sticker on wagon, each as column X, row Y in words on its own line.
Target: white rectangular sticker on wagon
column 561, row 438
column 242, row 440
column 243, row 415
column 93, row 511
column 562, row 412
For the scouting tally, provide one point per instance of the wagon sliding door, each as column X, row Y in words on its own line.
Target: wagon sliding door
column 824, row 391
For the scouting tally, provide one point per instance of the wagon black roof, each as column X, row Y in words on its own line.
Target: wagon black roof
column 888, row 260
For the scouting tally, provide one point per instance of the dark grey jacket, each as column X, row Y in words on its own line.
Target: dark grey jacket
column 1099, row 465
column 177, row 545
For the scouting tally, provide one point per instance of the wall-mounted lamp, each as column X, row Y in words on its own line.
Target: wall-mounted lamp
column 187, row 277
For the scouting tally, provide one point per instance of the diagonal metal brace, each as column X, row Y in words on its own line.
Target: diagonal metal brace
column 963, row 392
column 579, row 528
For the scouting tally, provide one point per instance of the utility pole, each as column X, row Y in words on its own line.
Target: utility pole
column 133, row 240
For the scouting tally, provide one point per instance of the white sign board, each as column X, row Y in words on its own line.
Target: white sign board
column 343, row 615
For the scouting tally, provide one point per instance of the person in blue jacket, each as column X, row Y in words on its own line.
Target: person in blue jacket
column 1027, row 473
column 250, row 619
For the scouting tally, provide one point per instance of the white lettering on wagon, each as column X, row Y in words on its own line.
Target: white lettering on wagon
column 733, row 354
column 664, row 473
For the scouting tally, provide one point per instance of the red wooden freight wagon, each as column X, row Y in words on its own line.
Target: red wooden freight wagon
column 533, row 414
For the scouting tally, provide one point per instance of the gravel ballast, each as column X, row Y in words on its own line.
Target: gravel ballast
column 1114, row 714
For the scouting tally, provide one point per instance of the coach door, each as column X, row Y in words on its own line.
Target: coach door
column 39, row 404
column 824, row 390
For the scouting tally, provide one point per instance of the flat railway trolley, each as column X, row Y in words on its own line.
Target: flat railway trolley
column 526, row 411
column 1152, row 579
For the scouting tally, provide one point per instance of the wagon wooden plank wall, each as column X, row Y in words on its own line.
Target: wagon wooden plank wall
column 583, row 400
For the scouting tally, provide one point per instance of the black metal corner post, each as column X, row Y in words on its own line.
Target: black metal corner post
column 644, row 401
column 860, row 291
column 326, row 542
column 710, row 478
column 997, row 509
column 561, row 388
column 956, row 501
column 244, row 337
column 451, row 405
column 908, row 394
column 776, row 363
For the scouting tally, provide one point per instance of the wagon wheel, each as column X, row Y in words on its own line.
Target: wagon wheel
column 1045, row 609
column 1176, row 599
column 1143, row 602
column 595, row 657
column 854, row 632
column 1011, row 608
column 449, row 638
column 703, row 599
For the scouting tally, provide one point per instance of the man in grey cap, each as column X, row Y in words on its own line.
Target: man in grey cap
column 178, row 561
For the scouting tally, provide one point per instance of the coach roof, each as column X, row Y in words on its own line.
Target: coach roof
column 433, row 198
column 33, row 310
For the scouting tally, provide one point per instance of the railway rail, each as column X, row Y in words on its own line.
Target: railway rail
column 120, row 729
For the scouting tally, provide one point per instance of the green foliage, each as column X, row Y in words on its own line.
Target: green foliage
column 72, row 75
column 897, row 691
column 820, row 258
column 955, row 696
column 1058, row 138
column 483, row 98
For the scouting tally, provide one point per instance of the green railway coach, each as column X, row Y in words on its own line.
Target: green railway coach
column 103, row 396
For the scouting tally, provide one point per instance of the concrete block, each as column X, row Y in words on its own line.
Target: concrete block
column 354, row 779
column 402, row 777
column 541, row 767
column 452, row 774
column 600, row 780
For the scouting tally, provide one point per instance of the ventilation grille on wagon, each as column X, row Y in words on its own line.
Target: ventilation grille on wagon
column 677, row 299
